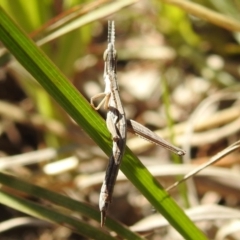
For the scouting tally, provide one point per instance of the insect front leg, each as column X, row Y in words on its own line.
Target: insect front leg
column 105, row 100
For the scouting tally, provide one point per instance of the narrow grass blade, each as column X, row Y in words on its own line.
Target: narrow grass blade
column 51, row 215
column 63, row 201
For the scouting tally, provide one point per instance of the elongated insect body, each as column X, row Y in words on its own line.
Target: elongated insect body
column 117, row 123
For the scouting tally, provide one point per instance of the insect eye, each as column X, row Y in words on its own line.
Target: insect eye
column 105, row 54
column 115, row 55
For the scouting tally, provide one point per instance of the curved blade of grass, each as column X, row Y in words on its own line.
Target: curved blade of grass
column 51, row 215
column 206, row 14
column 60, row 200
column 79, row 109
column 176, row 159
column 80, row 20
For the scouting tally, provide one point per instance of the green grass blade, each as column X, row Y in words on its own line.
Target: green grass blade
column 91, row 16
column 60, row 200
column 79, row 109
column 48, row 214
